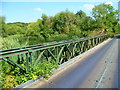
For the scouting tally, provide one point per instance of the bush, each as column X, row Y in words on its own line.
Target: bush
column 58, row 37
column 111, row 36
column 13, row 76
column 36, row 40
column 11, row 42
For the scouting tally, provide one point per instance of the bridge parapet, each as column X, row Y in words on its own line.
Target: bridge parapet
column 58, row 51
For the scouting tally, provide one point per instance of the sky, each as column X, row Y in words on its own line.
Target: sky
column 31, row 10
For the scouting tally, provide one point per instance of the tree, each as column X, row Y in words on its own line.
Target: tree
column 12, row 29
column 105, row 16
column 33, row 29
column 2, row 19
column 63, row 22
column 84, row 22
column 47, row 29
column 2, row 24
column 81, row 14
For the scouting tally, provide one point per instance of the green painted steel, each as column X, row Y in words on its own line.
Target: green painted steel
column 58, row 51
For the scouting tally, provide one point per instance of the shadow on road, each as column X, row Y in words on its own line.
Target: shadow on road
column 117, row 37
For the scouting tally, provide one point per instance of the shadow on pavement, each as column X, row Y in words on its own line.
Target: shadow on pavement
column 117, row 37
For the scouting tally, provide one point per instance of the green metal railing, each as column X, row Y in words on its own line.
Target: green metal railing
column 58, row 51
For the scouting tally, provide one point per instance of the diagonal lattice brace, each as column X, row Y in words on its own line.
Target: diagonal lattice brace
column 68, row 49
column 59, row 51
column 12, row 62
column 39, row 57
column 74, row 48
column 52, row 54
column 8, row 62
column 58, row 57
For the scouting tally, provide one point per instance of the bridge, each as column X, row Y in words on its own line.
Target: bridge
column 90, row 62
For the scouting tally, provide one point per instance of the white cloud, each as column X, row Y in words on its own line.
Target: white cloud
column 109, row 2
column 38, row 9
column 89, row 6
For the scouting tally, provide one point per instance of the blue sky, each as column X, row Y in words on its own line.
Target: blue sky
column 30, row 11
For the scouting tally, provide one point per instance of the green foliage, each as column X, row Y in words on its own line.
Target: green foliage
column 10, row 82
column 11, row 42
column 13, row 76
column 81, row 14
column 63, row 26
column 65, row 22
column 111, row 35
column 58, row 37
column 36, row 40
column 2, row 23
column 106, row 17
column 2, row 19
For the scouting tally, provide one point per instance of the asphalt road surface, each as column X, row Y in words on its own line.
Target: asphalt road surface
column 97, row 69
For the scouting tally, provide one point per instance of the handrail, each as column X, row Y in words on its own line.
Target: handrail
column 59, row 51
column 32, row 48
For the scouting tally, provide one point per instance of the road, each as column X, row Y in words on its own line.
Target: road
column 98, row 68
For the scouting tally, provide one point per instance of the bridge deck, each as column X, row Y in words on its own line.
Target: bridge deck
column 97, row 68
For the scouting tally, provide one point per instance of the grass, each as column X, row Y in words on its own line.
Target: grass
column 11, row 42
